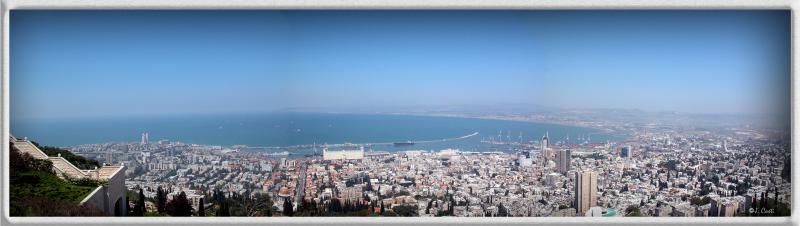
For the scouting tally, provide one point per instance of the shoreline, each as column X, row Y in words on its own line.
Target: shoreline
column 601, row 130
column 499, row 118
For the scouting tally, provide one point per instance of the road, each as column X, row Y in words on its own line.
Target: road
column 301, row 185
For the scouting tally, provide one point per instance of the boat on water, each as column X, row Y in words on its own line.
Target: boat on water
column 406, row 143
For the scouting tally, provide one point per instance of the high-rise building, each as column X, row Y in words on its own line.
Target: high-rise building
column 728, row 209
column 625, row 152
column 725, row 145
column 564, row 161
column 145, row 138
column 714, row 210
column 748, row 201
column 546, row 140
column 585, row 191
column 109, row 157
column 545, row 149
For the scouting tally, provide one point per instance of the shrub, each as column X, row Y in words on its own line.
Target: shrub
column 179, row 206
column 36, row 191
column 39, row 206
column 21, row 162
column 77, row 160
column 85, row 181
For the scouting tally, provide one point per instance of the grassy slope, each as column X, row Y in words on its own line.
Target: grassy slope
column 43, row 184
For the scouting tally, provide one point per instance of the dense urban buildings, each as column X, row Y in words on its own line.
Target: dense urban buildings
column 425, row 113
column 660, row 170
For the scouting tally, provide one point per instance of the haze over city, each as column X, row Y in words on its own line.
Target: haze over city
column 151, row 63
column 456, row 113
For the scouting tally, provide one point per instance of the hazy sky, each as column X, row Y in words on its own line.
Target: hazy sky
column 93, row 63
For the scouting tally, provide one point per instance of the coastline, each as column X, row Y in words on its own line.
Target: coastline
column 576, row 125
column 500, row 118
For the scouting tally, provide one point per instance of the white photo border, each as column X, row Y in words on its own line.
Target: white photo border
column 7, row 5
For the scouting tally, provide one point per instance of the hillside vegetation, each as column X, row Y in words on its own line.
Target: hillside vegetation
column 36, row 191
column 77, row 160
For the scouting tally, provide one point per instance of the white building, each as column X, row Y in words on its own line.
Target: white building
column 343, row 154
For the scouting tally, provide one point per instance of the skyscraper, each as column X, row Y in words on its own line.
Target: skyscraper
column 545, row 146
column 564, row 161
column 625, row 152
column 545, row 140
column 109, row 157
column 145, row 138
column 585, row 191
column 714, row 210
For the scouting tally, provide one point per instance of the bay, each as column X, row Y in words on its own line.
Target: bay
column 290, row 128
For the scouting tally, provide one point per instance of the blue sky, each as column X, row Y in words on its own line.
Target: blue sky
column 113, row 63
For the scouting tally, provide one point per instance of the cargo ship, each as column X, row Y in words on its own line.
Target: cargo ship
column 406, row 143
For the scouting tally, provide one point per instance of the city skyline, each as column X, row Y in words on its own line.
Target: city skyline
column 444, row 113
column 177, row 62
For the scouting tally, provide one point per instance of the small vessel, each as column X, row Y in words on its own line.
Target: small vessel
column 406, row 143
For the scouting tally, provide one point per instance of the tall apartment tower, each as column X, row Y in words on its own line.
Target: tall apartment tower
column 725, row 145
column 545, row 146
column 564, row 161
column 109, row 157
column 625, row 152
column 145, row 138
column 585, row 191
column 714, row 210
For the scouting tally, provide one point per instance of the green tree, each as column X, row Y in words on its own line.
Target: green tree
column 502, row 211
column 428, row 208
column 179, row 206
column 161, row 200
column 288, row 209
column 223, row 209
column 201, row 210
column 250, row 205
column 77, row 160
column 139, row 208
column 786, row 173
column 405, row 211
column 633, row 211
